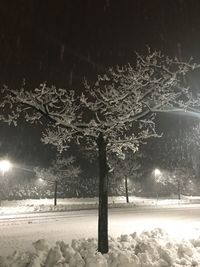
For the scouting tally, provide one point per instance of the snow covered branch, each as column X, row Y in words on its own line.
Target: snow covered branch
column 117, row 104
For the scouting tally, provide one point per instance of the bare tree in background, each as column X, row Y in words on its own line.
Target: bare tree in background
column 127, row 170
column 61, row 169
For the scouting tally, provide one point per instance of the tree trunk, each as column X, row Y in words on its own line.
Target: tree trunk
column 126, row 189
column 55, row 193
column 103, row 196
column 179, row 190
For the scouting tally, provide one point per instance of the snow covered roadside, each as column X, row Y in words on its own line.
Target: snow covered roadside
column 46, row 205
column 153, row 248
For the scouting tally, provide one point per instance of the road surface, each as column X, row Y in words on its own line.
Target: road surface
column 20, row 231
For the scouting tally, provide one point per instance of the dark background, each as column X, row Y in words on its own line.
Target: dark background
column 63, row 41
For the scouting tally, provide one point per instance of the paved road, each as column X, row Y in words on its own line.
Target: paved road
column 21, row 230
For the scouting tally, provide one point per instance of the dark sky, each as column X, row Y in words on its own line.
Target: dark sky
column 50, row 40
column 63, row 41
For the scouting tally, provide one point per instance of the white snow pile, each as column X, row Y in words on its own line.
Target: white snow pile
column 149, row 249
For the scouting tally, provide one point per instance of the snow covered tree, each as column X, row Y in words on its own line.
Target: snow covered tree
column 175, row 159
column 60, row 170
column 193, row 144
column 115, row 113
column 180, row 180
column 127, row 169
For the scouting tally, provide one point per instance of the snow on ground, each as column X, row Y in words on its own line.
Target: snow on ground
column 149, row 249
column 18, row 232
column 66, row 204
column 152, row 248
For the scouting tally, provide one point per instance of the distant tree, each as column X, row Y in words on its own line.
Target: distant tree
column 193, row 144
column 127, row 170
column 115, row 113
column 180, row 180
column 62, row 169
column 175, row 158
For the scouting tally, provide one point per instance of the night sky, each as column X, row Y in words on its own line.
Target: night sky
column 63, row 41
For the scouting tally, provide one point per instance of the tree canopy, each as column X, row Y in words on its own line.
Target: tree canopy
column 120, row 104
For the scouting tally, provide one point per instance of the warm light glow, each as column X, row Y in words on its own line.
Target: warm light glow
column 128, row 180
column 157, row 172
column 5, row 166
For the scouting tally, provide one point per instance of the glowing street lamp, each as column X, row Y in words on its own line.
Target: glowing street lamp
column 157, row 172
column 5, row 166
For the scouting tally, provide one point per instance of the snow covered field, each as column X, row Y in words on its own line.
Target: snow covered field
column 46, row 205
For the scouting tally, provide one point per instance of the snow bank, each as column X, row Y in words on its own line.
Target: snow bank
column 149, row 249
column 69, row 204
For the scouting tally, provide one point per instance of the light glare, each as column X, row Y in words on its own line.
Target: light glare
column 5, row 166
column 157, row 172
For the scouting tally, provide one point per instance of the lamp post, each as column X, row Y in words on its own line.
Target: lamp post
column 157, row 173
column 5, row 166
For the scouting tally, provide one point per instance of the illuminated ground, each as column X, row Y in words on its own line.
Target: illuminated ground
column 20, row 231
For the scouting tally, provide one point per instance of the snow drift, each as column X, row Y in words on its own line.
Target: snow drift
column 149, row 249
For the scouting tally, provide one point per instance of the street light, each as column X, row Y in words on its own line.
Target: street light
column 5, row 166
column 157, row 174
